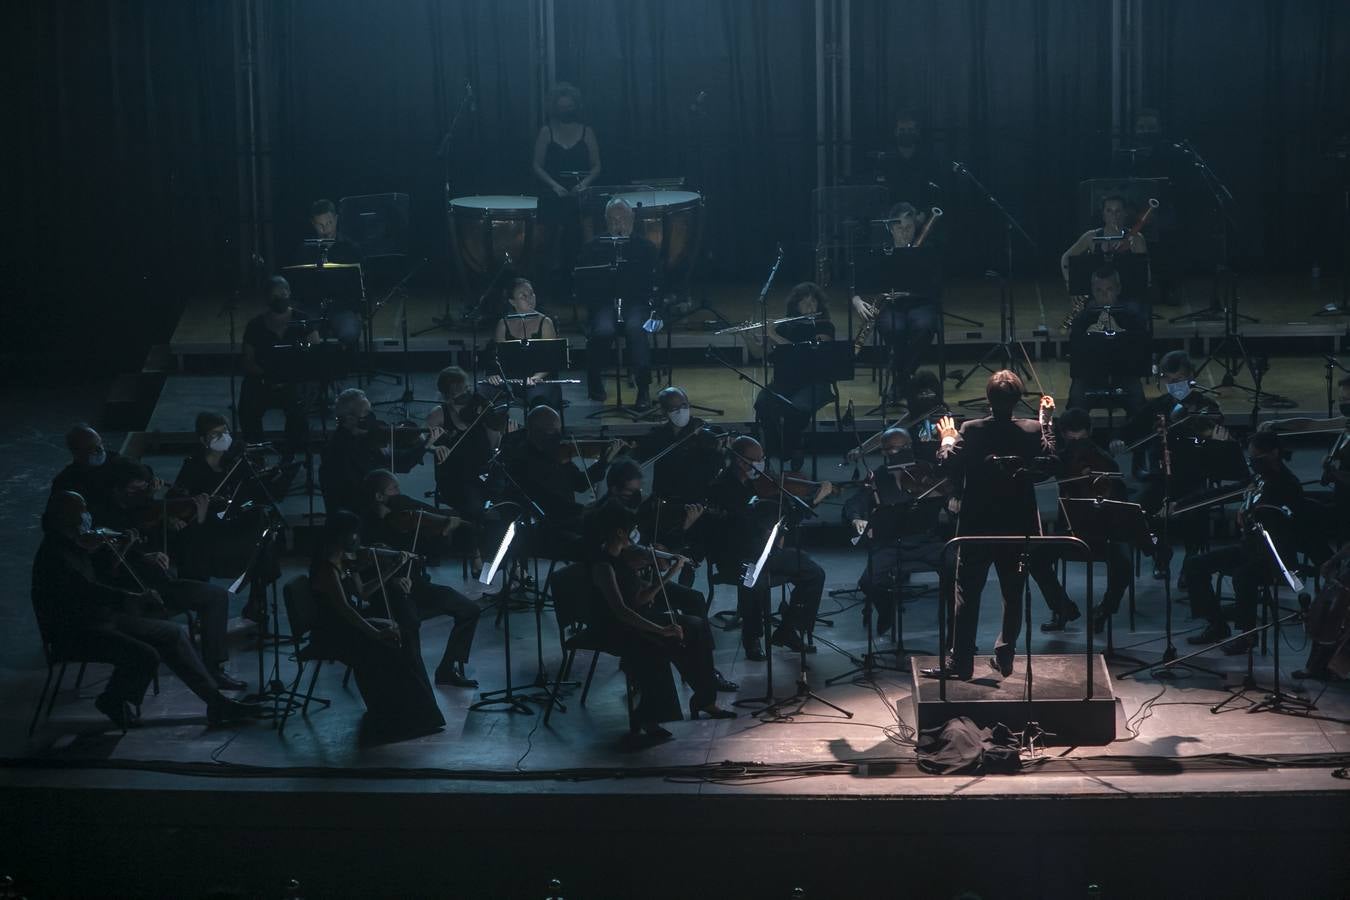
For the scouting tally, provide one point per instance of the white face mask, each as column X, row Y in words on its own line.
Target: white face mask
column 1179, row 390
column 86, row 523
column 634, row 537
column 679, row 417
column 757, row 467
column 221, row 442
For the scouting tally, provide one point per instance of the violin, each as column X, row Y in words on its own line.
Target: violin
column 795, row 484
column 1087, row 471
column 589, row 448
column 405, row 514
column 640, row 556
column 158, row 513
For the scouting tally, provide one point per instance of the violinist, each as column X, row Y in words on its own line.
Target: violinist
column 899, row 526
column 687, row 451
column 1079, row 456
column 739, row 537
column 994, row 460
column 394, row 519
column 666, row 527
column 393, row 683
column 87, row 618
column 134, row 509
column 90, row 469
column 473, row 429
column 1275, row 500
column 359, row 443
column 263, row 388
column 539, row 463
column 1336, row 463
column 782, row 424
column 220, row 538
column 633, row 617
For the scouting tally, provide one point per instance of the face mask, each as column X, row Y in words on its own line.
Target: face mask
column 632, row 499
column 757, row 467
column 1179, row 390
column 368, row 422
column 1264, row 464
column 900, row 457
column 679, row 417
column 221, row 442
column 634, row 537
column 278, row 304
column 1345, row 410
column 94, row 460
column 86, row 523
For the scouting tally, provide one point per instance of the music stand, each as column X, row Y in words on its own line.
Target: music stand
column 377, row 223
column 1202, row 458
column 327, row 286
column 1099, row 356
column 521, row 359
column 1101, row 523
column 903, row 277
column 607, row 282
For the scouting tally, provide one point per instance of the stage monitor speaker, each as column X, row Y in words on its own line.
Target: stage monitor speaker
column 1059, row 701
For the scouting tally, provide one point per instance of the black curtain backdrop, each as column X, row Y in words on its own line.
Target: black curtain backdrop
column 1016, row 90
column 122, row 153
column 119, row 173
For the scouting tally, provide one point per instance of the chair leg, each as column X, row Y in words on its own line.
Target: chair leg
column 347, row 678
column 37, row 709
column 586, row 688
column 557, row 685
column 79, row 676
column 309, row 694
column 60, row 677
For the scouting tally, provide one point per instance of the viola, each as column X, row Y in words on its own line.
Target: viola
column 640, row 556
column 589, row 448
column 405, row 514
column 796, row 484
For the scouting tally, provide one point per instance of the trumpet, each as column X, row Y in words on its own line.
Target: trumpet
column 934, row 214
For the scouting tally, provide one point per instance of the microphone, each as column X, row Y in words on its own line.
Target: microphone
column 697, row 106
column 469, row 97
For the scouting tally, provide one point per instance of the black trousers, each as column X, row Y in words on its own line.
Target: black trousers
column 442, row 600
column 135, row 646
column 787, row 566
column 600, row 335
column 783, row 424
column 1249, row 568
column 907, row 332
column 972, row 570
column 210, row 603
column 257, row 397
column 883, row 575
column 1044, row 570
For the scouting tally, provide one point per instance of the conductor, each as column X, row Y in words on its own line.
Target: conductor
column 993, row 459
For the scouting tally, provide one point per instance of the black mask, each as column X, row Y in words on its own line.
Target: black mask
column 1265, row 464
column 907, row 141
column 568, row 115
column 1345, row 409
column 632, row 499
column 900, row 457
column 368, row 422
column 278, row 304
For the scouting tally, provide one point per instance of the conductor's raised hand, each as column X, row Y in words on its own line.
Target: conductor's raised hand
column 1047, row 409
column 946, row 428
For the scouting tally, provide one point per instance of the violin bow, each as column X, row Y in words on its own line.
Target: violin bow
column 576, row 448
column 651, row 546
column 379, row 576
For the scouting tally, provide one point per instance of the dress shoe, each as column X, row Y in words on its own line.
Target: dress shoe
column 786, row 637
column 224, row 711
column 754, row 651
column 227, row 682
column 723, row 685
column 643, row 401
column 1000, row 666
column 453, row 676
column 117, row 711
column 712, row 711
column 954, row 670
column 1099, row 617
column 1213, row 633
column 1061, row 618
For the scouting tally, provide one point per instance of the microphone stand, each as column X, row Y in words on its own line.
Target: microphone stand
column 1007, row 311
column 445, row 152
column 764, row 318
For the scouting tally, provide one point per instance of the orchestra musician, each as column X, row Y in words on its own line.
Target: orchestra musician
column 1113, row 224
column 133, row 509
column 993, row 459
column 632, row 617
column 213, row 546
column 263, row 388
column 87, row 618
column 668, row 527
column 526, row 323
column 783, row 424
column 907, row 326
column 1275, row 489
column 393, row 683
column 331, row 247
column 1123, row 316
column 565, row 162
column 90, row 469
column 635, row 279
column 359, row 443
column 911, row 173
column 682, row 473
column 539, row 463
column 739, row 537
column 393, row 519
column 1336, row 463
column 898, row 527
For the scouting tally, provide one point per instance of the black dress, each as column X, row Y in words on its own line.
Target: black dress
column 647, row 658
column 397, row 695
column 784, row 424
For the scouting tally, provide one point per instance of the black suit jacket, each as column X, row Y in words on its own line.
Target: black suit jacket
column 993, row 499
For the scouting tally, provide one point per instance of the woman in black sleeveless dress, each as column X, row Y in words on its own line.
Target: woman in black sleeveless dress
column 521, row 301
column 566, row 162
